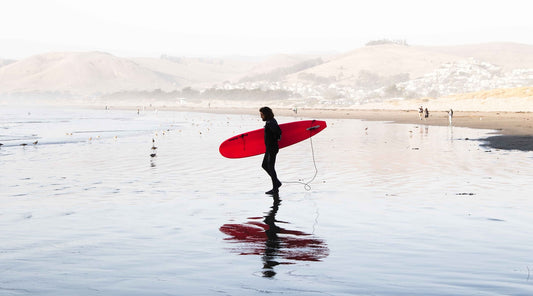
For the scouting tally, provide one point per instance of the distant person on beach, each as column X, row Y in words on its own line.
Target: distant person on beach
column 450, row 115
column 426, row 113
column 420, row 112
column 272, row 136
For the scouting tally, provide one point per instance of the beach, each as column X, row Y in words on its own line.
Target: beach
column 390, row 208
column 134, row 160
column 506, row 123
column 512, row 130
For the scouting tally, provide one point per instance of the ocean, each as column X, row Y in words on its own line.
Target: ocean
column 120, row 202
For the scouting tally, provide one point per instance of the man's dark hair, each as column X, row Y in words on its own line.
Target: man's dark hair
column 267, row 112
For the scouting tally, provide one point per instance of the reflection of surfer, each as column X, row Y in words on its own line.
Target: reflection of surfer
column 272, row 136
column 272, row 244
column 275, row 244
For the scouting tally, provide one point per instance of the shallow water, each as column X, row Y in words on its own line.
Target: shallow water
column 394, row 209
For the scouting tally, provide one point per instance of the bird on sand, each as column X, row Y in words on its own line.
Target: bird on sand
column 153, row 148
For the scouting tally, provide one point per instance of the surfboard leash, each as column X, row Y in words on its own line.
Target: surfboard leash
column 307, row 187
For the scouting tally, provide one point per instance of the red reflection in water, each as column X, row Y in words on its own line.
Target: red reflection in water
column 273, row 242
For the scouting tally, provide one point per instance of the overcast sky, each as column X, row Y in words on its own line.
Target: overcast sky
column 247, row 27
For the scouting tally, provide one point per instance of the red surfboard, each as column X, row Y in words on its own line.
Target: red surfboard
column 253, row 143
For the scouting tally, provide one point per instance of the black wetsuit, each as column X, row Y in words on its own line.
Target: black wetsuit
column 272, row 136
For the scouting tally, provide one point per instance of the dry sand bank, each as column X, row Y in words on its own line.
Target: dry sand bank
column 505, row 123
column 515, row 129
column 508, row 123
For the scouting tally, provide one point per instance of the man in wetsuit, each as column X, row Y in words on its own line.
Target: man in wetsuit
column 272, row 136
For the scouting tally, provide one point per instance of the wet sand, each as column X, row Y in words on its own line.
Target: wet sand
column 395, row 209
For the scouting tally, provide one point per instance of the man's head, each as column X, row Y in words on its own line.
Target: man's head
column 266, row 113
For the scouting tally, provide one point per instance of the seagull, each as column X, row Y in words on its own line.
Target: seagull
column 153, row 148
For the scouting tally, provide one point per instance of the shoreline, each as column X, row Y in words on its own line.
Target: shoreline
column 504, row 116
column 512, row 130
column 502, row 123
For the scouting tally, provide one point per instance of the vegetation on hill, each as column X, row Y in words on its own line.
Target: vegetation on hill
column 207, row 94
column 6, row 62
column 387, row 41
column 280, row 73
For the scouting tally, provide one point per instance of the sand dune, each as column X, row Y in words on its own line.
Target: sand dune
column 506, row 100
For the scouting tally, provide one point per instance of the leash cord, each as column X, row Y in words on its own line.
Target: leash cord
column 307, row 187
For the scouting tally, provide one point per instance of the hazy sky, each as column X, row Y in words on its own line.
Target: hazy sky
column 247, row 27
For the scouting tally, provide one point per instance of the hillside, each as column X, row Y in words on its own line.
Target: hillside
column 198, row 72
column 98, row 73
column 371, row 73
column 519, row 99
column 386, row 62
column 508, row 56
column 506, row 93
column 208, row 72
column 4, row 62
column 392, row 71
column 383, row 65
column 89, row 73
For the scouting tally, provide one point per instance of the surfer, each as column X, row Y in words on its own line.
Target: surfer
column 272, row 136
